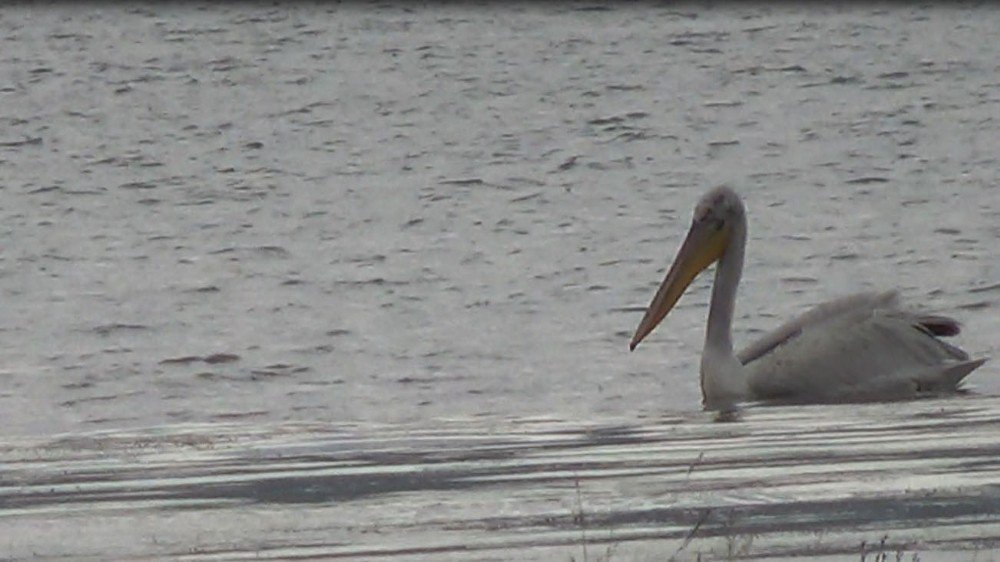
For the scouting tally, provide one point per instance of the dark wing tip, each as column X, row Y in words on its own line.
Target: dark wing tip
column 940, row 326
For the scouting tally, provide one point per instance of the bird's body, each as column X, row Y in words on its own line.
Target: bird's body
column 862, row 347
column 866, row 347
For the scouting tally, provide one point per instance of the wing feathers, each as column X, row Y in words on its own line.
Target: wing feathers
column 861, row 304
column 940, row 326
column 861, row 345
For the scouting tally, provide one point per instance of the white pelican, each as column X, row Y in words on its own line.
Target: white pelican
column 861, row 347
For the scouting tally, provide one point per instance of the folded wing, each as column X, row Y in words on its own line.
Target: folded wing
column 854, row 348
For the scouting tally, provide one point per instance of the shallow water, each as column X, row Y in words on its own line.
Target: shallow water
column 220, row 221
column 916, row 478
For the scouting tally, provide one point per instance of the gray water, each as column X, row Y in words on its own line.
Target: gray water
column 895, row 479
column 386, row 220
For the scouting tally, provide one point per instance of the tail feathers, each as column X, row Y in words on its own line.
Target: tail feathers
column 948, row 378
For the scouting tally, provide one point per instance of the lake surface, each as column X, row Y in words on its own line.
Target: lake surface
column 920, row 479
column 268, row 271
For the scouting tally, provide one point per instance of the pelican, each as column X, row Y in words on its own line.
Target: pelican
column 856, row 348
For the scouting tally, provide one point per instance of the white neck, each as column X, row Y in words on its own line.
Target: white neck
column 723, row 379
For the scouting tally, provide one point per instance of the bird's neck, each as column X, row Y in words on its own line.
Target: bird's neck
column 727, row 278
column 723, row 381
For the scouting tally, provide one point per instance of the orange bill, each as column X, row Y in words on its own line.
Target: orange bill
column 703, row 246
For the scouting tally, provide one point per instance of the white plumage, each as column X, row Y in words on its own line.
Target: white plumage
column 861, row 347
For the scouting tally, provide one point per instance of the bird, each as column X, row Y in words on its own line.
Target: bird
column 862, row 347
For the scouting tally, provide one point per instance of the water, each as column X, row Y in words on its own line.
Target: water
column 242, row 219
column 893, row 477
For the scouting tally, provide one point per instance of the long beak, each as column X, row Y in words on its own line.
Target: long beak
column 703, row 246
